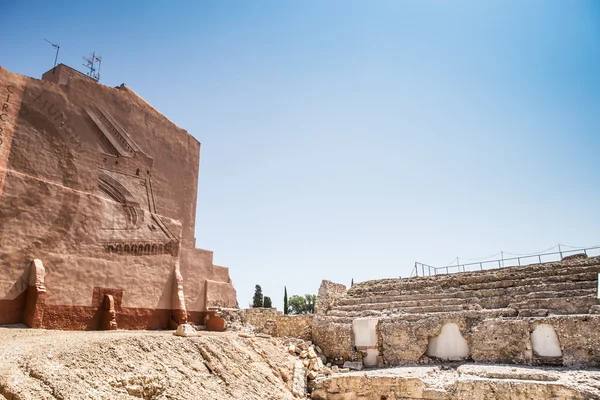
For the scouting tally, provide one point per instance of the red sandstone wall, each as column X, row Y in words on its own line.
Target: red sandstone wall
column 69, row 201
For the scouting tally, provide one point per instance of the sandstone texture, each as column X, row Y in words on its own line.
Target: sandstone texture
column 42, row 364
column 98, row 198
column 463, row 382
column 485, row 316
column 271, row 322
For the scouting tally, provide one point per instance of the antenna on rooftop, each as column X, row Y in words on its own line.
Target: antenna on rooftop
column 91, row 63
column 57, row 49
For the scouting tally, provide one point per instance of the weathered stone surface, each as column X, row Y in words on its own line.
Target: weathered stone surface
column 216, row 324
column 327, row 295
column 185, row 330
column 101, row 188
column 354, row 365
column 33, row 316
column 299, row 381
column 501, row 341
column 495, row 312
column 469, row 382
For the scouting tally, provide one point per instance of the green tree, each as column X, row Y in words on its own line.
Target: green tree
column 311, row 299
column 285, row 301
column 257, row 300
column 352, row 283
column 267, row 302
column 297, row 305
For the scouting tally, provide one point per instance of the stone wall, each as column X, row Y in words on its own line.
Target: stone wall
column 298, row 326
column 327, row 295
column 536, row 315
column 101, row 188
column 271, row 321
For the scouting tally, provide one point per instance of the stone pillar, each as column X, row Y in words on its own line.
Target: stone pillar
column 329, row 292
column 36, row 296
column 109, row 314
column 178, row 311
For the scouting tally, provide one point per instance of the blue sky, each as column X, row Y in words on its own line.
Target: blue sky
column 349, row 139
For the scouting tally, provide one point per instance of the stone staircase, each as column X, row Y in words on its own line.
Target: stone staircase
column 561, row 288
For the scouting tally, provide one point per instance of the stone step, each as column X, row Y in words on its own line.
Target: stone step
column 417, row 312
column 360, row 310
column 433, row 283
column 563, row 306
column 405, row 304
column 501, row 300
column 433, row 286
column 591, row 292
column 498, row 284
column 457, row 293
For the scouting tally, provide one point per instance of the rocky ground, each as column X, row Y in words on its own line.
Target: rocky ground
column 42, row 364
column 460, row 381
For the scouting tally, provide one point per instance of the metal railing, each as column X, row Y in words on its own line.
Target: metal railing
column 421, row 269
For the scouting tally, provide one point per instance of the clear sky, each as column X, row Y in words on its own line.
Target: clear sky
column 349, row 139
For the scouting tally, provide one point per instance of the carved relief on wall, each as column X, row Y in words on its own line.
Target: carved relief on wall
column 131, row 225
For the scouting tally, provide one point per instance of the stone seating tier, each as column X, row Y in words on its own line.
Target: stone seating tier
column 567, row 287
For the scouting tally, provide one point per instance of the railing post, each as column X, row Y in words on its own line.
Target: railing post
column 423, row 269
column 519, row 261
column 540, row 258
column 560, row 252
column 481, row 266
column 499, row 265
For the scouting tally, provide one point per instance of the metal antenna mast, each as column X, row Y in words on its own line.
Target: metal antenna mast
column 57, row 49
column 91, row 65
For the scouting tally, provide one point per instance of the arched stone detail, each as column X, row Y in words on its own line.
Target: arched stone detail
column 544, row 341
column 449, row 344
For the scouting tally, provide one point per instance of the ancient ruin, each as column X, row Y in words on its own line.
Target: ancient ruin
column 538, row 315
column 543, row 314
column 97, row 210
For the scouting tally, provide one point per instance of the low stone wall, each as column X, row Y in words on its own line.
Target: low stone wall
column 542, row 314
column 488, row 340
column 298, row 326
column 257, row 317
column 275, row 323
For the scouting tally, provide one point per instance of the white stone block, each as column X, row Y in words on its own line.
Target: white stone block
column 544, row 341
column 371, row 359
column 449, row 344
column 365, row 332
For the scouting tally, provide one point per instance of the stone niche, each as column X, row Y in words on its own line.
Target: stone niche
column 365, row 339
column 544, row 341
column 448, row 345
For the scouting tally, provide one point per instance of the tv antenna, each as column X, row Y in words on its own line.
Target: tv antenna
column 93, row 64
column 57, row 49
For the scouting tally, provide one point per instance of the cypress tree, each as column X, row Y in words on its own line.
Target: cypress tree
column 285, row 301
column 257, row 300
